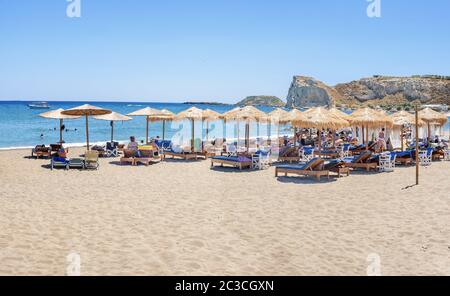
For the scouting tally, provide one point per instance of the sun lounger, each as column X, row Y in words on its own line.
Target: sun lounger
column 327, row 153
column 361, row 161
column 181, row 155
column 128, row 156
column 337, row 166
column 312, row 168
column 361, row 148
column 76, row 163
column 59, row 162
column 145, row 157
column 289, row 154
column 41, row 151
column 405, row 157
column 235, row 161
column 91, row 160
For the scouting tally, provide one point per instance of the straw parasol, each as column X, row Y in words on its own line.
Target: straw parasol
column 320, row 118
column 339, row 113
column 164, row 116
column 369, row 118
column 279, row 116
column 149, row 113
column 208, row 116
column 86, row 110
column 192, row 114
column 403, row 118
column 114, row 116
column 429, row 116
column 295, row 115
column 247, row 113
column 56, row 114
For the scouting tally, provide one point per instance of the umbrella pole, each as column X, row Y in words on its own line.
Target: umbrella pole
column 367, row 137
column 429, row 134
column 112, row 131
column 363, row 136
column 320, row 143
column 269, row 130
column 224, row 131
column 146, row 133
column 417, row 145
column 192, row 134
column 60, row 131
column 87, row 132
column 295, row 137
column 247, row 136
column 401, row 138
column 164, row 130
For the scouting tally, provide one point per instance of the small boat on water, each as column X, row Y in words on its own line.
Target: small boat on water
column 39, row 105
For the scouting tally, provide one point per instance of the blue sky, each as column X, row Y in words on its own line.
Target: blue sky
column 221, row 50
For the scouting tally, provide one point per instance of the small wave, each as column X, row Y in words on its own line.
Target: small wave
column 134, row 105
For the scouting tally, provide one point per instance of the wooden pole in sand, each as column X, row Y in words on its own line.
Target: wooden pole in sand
column 192, row 136
column 112, row 131
column 146, row 132
column 164, row 130
column 87, row 132
column 60, row 131
column 417, row 145
column 367, row 138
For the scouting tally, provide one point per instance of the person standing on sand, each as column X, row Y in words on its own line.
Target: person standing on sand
column 381, row 143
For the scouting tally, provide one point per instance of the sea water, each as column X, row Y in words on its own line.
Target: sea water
column 21, row 127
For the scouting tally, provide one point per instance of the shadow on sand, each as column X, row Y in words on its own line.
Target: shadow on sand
column 305, row 180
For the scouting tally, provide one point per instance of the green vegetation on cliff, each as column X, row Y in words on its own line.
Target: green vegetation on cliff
column 271, row 101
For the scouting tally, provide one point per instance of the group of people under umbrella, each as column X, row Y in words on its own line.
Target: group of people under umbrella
column 319, row 118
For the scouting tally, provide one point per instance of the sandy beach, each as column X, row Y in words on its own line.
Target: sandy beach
column 183, row 218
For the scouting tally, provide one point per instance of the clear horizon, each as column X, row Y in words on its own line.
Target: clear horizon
column 220, row 51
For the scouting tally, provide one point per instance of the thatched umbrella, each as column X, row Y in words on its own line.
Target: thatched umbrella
column 339, row 113
column 56, row 114
column 402, row 118
column 208, row 116
column 224, row 117
column 295, row 115
column 320, row 118
column 432, row 117
column 247, row 113
column 369, row 118
column 164, row 116
column 114, row 116
column 149, row 113
column 281, row 117
column 86, row 110
column 192, row 114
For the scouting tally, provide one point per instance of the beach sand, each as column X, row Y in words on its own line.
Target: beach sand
column 182, row 218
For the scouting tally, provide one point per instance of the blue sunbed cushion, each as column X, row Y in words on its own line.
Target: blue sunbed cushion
column 262, row 153
column 292, row 167
column 233, row 158
column 328, row 151
column 60, row 159
column 402, row 154
column 308, row 150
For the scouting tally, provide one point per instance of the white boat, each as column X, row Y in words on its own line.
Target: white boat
column 39, row 105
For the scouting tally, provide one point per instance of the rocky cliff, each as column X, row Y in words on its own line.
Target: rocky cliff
column 309, row 92
column 378, row 90
column 262, row 101
column 396, row 90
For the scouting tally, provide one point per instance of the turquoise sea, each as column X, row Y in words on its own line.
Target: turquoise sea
column 21, row 126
